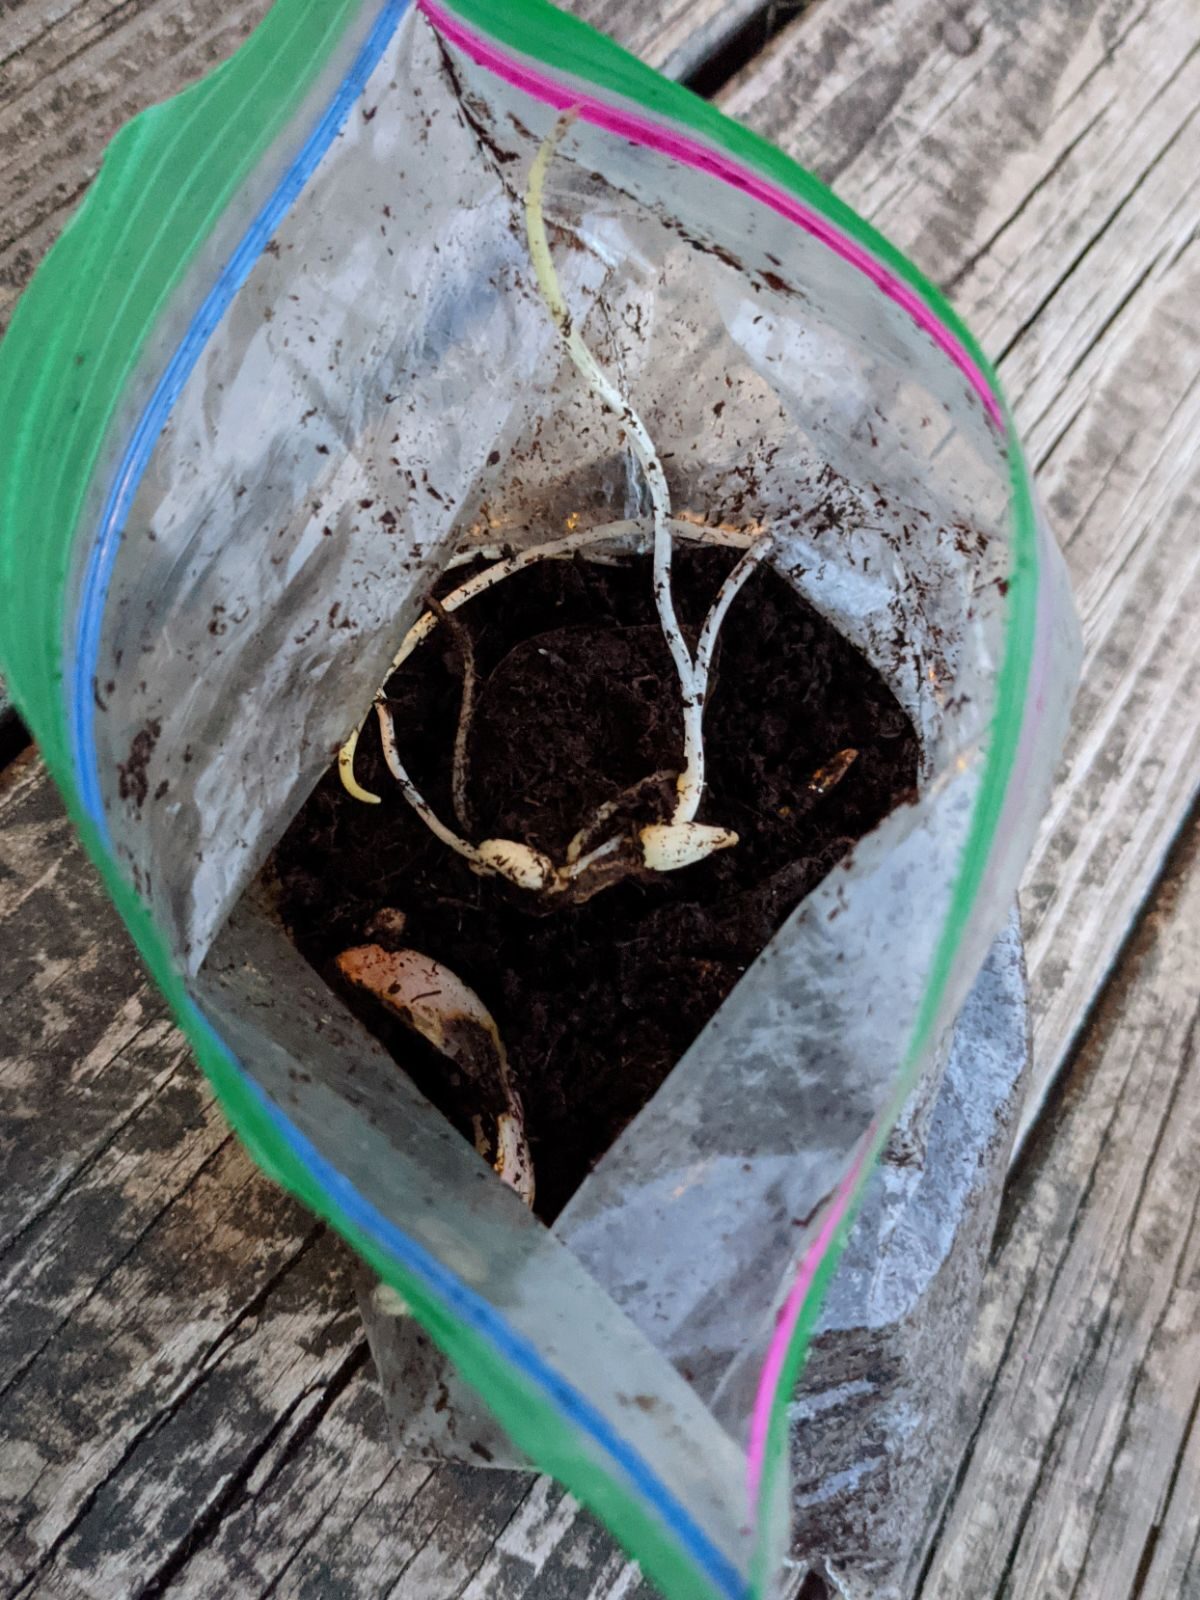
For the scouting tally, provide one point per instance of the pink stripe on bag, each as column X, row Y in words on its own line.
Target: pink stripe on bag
column 692, row 152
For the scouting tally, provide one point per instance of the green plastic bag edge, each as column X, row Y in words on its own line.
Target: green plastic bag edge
column 67, row 359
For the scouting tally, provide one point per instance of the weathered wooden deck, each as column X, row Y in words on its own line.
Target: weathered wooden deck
column 187, row 1406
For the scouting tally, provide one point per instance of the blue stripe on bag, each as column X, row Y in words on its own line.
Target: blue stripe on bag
column 478, row 1314
column 473, row 1310
column 103, row 555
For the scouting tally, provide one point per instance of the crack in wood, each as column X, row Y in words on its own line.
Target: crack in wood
column 66, row 1183
column 1191, row 1434
column 300, row 1545
column 114, row 1266
column 1109, row 53
column 1052, row 172
column 1089, row 1309
column 1132, row 1395
column 199, row 1535
column 470, row 1577
column 982, row 1408
column 742, row 45
column 218, row 1347
column 1039, row 310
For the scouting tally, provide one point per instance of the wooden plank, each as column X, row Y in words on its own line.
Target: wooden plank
column 342, row 1517
column 126, row 1504
column 1040, row 163
column 1079, row 1478
column 1174, row 1543
column 867, row 92
column 167, row 1310
column 70, row 76
column 86, row 1044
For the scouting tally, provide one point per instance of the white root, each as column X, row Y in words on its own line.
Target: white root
column 663, row 847
column 435, row 1002
column 513, row 1164
column 521, row 864
column 425, row 624
column 387, row 737
column 346, row 770
column 589, row 831
column 507, row 858
column 478, row 552
column 692, row 777
column 690, row 786
column 576, row 868
column 624, row 534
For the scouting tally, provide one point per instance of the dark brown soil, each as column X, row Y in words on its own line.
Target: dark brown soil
column 577, row 701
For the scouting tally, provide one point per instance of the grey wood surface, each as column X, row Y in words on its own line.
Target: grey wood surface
column 1078, row 1475
column 187, row 1402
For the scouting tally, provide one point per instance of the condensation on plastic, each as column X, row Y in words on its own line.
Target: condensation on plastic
column 385, row 384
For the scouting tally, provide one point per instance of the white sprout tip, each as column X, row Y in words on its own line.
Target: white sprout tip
column 667, row 846
column 519, row 863
column 350, row 783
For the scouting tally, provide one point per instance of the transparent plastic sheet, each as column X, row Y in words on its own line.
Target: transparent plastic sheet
column 352, row 328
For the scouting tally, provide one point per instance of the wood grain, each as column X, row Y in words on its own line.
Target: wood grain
column 167, row 1310
column 1079, row 1479
column 71, row 74
column 188, row 1407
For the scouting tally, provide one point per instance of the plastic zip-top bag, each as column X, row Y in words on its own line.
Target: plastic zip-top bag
column 288, row 361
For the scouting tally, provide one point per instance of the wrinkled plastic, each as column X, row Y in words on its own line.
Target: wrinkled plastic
column 350, row 375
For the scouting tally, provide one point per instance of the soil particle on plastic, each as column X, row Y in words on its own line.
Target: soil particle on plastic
column 133, row 782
